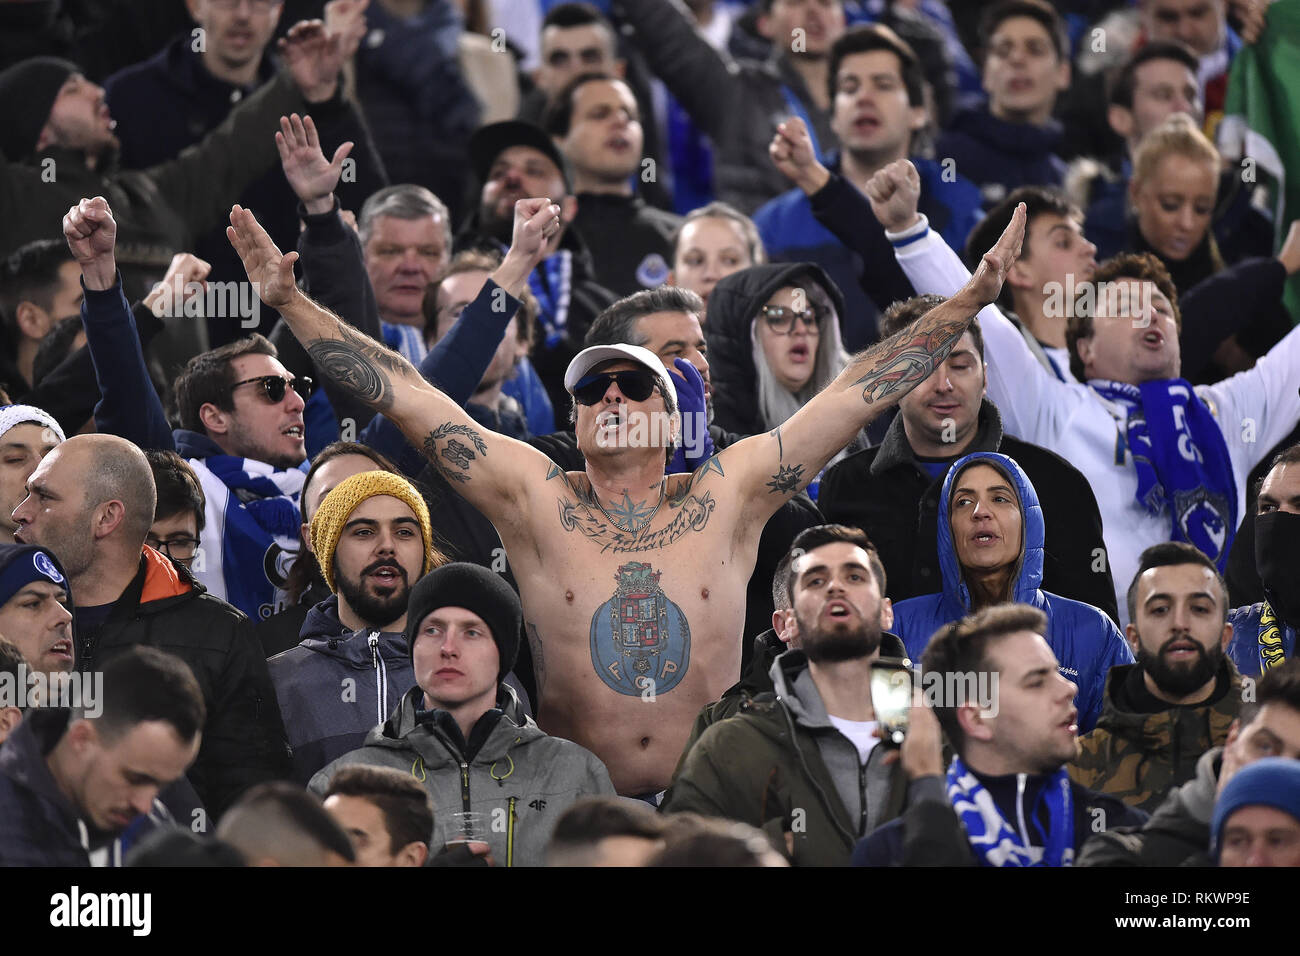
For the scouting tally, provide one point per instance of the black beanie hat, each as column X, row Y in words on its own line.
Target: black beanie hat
column 28, row 90
column 476, row 589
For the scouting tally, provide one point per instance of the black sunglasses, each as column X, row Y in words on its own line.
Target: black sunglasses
column 635, row 383
column 273, row 386
column 781, row 319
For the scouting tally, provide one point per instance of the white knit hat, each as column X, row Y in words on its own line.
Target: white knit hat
column 11, row 415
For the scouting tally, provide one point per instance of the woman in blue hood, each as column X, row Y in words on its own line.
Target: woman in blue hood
column 991, row 552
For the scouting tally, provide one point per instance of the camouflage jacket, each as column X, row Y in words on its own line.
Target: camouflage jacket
column 1141, row 757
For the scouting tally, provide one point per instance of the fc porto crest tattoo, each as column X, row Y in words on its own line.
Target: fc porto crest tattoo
column 640, row 640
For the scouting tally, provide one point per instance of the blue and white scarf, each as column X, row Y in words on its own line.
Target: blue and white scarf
column 406, row 340
column 994, row 841
column 1182, row 461
column 261, row 520
column 551, row 284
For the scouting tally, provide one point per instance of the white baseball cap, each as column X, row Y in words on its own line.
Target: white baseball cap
column 589, row 358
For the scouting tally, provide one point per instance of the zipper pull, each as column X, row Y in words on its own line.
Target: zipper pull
column 373, row 641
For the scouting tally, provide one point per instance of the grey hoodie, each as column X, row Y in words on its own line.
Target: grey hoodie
column 521, row 779
column 852, row 778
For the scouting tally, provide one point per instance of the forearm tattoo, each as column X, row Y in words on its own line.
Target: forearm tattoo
column 897, row 365
column 359, row 365
column 788, row 478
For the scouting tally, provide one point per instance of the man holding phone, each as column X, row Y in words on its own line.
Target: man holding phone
column 1005, row 799
column 805, row 764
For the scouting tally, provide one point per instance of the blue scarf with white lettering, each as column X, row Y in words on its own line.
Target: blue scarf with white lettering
column 994, row 841
column 1182, row 461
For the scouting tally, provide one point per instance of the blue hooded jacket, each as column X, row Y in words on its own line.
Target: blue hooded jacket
column 1087, row 644
column 325, row 717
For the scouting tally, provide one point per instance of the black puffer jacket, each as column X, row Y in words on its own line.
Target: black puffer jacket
column 732, row 307
column 243, row 738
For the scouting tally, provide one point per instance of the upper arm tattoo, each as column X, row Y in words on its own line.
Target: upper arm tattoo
column 453, row 458
column 788, row 478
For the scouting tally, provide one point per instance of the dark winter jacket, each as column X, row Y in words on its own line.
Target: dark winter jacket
column 336, row 685
column 999, row 156
column 171, row 101
column 1251, row 638
column 930, row 833
column 585, row 297
column 1178, row 833
column 38, row 826
column 1087, row 644
column 885, row 492
column 283, row 629
column 737, row 104
column 1139, row 756
column 781, row 755
column 243, row 737
column 835, row 228
column 161, row 210
column 631, row 242
column 520, row 778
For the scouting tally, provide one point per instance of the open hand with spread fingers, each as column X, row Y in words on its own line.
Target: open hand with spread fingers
column 269, row 269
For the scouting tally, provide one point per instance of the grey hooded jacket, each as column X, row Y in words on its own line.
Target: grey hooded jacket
column 336, row 686
column 521, row 779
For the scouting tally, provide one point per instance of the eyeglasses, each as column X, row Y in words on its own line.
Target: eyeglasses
column 180, row 547
column 273, row 386
column 635, row 383
column 781, row 319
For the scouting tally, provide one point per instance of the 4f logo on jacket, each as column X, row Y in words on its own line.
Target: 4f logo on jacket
column 538, row 804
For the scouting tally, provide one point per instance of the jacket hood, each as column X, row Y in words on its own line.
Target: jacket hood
column 401, row 730
column 732, row 306
column 164, row 580
column 1021, row 139
column 1029, row 578
column 1153, row 731
column 794, row 685
column 323, row 633
column 1198, row 795
column 896, row 451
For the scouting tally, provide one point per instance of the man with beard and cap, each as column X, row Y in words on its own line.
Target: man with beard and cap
column 372, row 538
column 1180, row 698
column 811, row 746
column 34, row 602
column 513, row 160
column 461, row 730
column 1264, row 634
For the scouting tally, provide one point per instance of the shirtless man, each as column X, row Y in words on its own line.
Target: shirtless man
column 633, row 583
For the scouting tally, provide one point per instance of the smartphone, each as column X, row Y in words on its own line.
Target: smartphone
column 892, row 680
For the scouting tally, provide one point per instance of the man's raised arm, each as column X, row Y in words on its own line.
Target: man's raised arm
column 491, row 471
column 775, row 466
